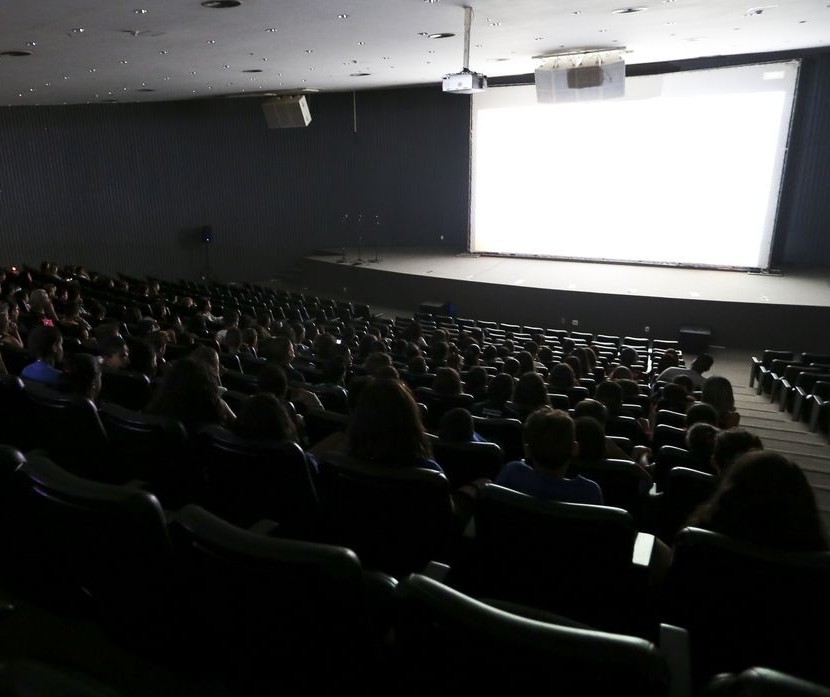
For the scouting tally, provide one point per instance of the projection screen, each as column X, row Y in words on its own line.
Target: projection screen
column 685, row 169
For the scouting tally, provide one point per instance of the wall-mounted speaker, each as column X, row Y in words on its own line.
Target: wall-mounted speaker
column 287, row 111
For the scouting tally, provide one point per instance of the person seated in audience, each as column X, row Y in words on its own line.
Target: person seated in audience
column 376, row 361
column 279, row 350
column 203, row 310
column 417, row 365
column 530, row 394
column 188, row 393
column 472, row 355
column 41, row 310
column 143, row 359
column 587, row 359
column 72, row 317
column 669, row 359
column 549, row 444
column 628, row 356
column 231, row 341
column 765, row 499
column 701, row 413
column 526, row 362
column 456, row 426
column 83, row 376
column 561, row 378
column 115, row 353
column 590, row 436
column 438, row 352
column 385, row 427
column 700, row 442
column 609, row 393
column 455, row 360
column 9, row 334
column 272, row 379
column 700, row 365
column 447, row 382
column 250, row 342
column 621, row 372
column 230, row 320
column 576, row 365
column 46, row 347
column 499, row 393
column 730, row 445
column 511, row 366
column 475, row 382
column 263, row 417
column 159, row 340
column 717, row 391
column 674, row 397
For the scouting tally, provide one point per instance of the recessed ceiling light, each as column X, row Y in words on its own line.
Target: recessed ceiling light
column 343, row 16
column 124, row 62
column 441, row 35
column 265, row 59
column 576, row 12
column 384, row 58
column 77, row 30
column 162, row 53
column 432, row 2
column 210, row 41
column 31, row 43
column 167, row 77
column 423, row 33
column 15, row 54
column 361, row 43
column 140, row 12
column 538, row 38
column 628, row 10
column 92, row 70
column 309, row 50
column 495, row 24
column 192, row 72
column 602, row 31
column 221, row 4
column 271, row 29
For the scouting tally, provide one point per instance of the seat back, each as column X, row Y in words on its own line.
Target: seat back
column 442, row 636
column 14, row 428
column 438, row 404
column 76, row 537
column 468, row 461
column 621, row 481
column 247, row 480
column 284, row 610
column 684, row 489
column 669, row 457
column 321, row 424
column 67, row 428
column 668, row 435
column 557, row 556
column 397, row 518
column 126, row 388
column 507, row 433
column 744, row 606
column 763, row 682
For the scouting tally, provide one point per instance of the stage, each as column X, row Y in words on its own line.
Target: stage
column 741, row 309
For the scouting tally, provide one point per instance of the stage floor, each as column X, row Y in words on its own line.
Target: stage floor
column 807, row 288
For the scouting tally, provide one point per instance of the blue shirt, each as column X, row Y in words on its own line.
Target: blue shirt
column 521, row 477
column 40, row 371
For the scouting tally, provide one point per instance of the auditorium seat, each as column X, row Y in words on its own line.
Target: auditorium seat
column 448, row 643
column 507, row 433
column 395, row 518
column 745, row 606
column 14, row 427
column 465, row 462
column 247, row 480
column 684, row 489
column 559, row 557
column 322, row 424
column 127, row 388
column 282, row 616
column 668, row 435
column 622, row 483
column 763, row 682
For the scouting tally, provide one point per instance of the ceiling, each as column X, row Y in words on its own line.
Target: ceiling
column 149, row 50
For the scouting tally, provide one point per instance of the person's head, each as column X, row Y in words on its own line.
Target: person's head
column 144, row 359
column 630, row 390
column 593, row 409
column 375, row 361
column 385, row 426
column 446, row 382
column 262, row 416
column 46, row 344
column 231, row 318
column 417, row 365
column 475, row 383
column 765, row 499
column 576, row 365
column 730, row 444
column 700, row 442
column 561, row 378
column 210, row 358
column 621, row 372
column 500, row 389
column 701, row 413
column 271, row 379
column 39, row 301
column 549, row 439
column 702, row 363
column 628, row 356
column 685, row 382
column 590, row 435
column 531, row 391
column 610, row 394
column 675, row 397
column 232, row 339
column 669, row 359
column 115, row 352
column 278, row 349
column 511, row 366
column 526, row 363
column 717, row 391
column 83, row 372
column 333, row 370
column 188, row 393
column 456, row 425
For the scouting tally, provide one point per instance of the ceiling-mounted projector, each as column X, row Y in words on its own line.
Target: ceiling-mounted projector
column 465, row 81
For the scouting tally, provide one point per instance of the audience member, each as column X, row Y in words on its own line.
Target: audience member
column 730, row 445
column 550, row 443
column 83, row 375
column 700, row 365
column 46, row 347
column 717, row 391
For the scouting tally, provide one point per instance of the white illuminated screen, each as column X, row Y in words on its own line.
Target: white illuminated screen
column 685, row 169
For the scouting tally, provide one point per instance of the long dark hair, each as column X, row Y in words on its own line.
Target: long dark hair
column 765, row 499
column 188, row 393
column 386, row 425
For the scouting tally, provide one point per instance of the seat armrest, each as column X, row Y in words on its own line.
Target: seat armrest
column 265, row 527
column 437, row 571
column 815, row 412
column 798, row 403
column 754, row 365
column 674, row 645
column 782, row 393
